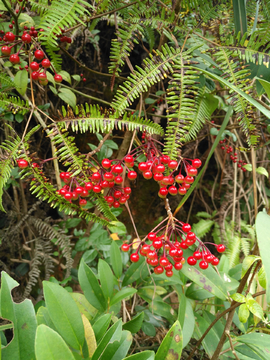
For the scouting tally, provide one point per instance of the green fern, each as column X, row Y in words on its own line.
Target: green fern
column 6, row 82
column 61, row 14
column 41, row 7
column 155, row 69
column 95, row 119
column 122, row 46
column 13, row 104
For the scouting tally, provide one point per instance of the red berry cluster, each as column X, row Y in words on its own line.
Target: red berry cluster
column 165, row 250
column 107, row 176
column 163, row 169
column 233, row 155
column 38, row 69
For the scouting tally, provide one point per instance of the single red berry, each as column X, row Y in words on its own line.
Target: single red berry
column 191, row 171
column 35, row 75
column 197, row 255
column 184, row 245
column 189, row 179
column 169, row 273
column 34, row 65
column 88, row 186
column 108, row 176
column 96, row 177
column 172, row 190
column 221, row 248
column 110, row 199
column 163, row 191
column 160, row 168
column 46, row 63
column 39, row 54
column 178, row 266
column 118, row 179
column 157, row 243
column 82, row 202
column 129, row 159
column 147, row 174
column 10, row 36
column 173, row 252
column 58, row 78
column 127, row 190
column 158, row 270
column 153, row 262
column 191, row 261
column 68, row 195
column 125, row 247
column 165, row 159
column 209, row 258
column 123, row 199
column 172, row 164
column 106, row 163
column 5, row 50
column 84, row 79
column 182, row 190
column 117, row 169
column 142, row 166
column 215, row 261
column 78, row 190
column 14, row 59
column 203, row 265
column 26, row 38
column 134, row 257
column 116, row 204
column 22, row 163
column 186, row 228
column 104, row 184
column 97, row 189
column 158, row 177
column 151, row 254
column 167, row 180
column 132, row 175
column 163, row 261
column 42, row 76
column 117, row 194
column 84, row 193
column 168, row 267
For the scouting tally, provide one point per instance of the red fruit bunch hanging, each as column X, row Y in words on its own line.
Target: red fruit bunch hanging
column 164, row 247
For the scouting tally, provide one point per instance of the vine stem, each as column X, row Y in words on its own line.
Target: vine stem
column 132, row 220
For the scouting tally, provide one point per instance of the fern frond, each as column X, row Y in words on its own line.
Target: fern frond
column 237, row 74
column 202, row 227
column 11, row 148
column 41, row 7
column 155, row 68
column 123, row 45
column 13, row 104
column 61, row 14
column 6, row 82
column 95, row 119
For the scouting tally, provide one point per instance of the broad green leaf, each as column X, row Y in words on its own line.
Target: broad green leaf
column 84, row 306
column 122, row 294
column 254, row 307
column 90, row 286
column 248, row 262
column 256, row 340
column 89, row 255
column 65, row 75
column 101, row 325
column 76, row 77
column 64, row 313
column 89, row 336
column 112, row 335
column 68, row 96
column 238, row 297
column 136, row 271
column 265, row 84
column 20, row 81
column 43, row 317
column 262, row 226
column 135, row 324
column 116, row 259
column 243, row 313
column 171, row 346
column 50, row 78
column 207, row 279
column 211, row 340
column 49, row 345
column 25, row 20
column 262, row 171
column 118, row 349
column 145, row 355
column 248, row 167
column 148, row 329
column 106, row 279
column 24, row 321
column 262, row 277
column 117, row 227
column 185, row 317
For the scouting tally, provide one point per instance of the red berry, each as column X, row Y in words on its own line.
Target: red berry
column 35, row 75
column 110, row 199
column 22, row 163
column 178, row 266
column 14, row 59
column 125, row 247
column 5, row 50
column 172, row 190
column 186, row 228
column 158, row 269
column 157, row 243
column 165, row 159
column 160, row 168
column 34, row 66
column 203, row 265
column 189, row 179
column 163, row 261
column 197, row 255
column 108, row 176
column 116, row 204
column 118, row 179
column 191, row 171
column 215, row 261
column 117, row 169
column 97, row 189
column 151, row 254
column 68, row 195
column 179, row 178
column 10, row 36
column 151, row 236
column 158, row 177
column 58, row 78
column 168, row 267
column 46, row 63
column 209, row 258
column 82, row 202
column 134, row 257
column 163, row 191
column 132, row 175
column 26, row 38
column 84, row 79
column 42, row 76
column 123, row 199
column 104, row 184
column 143, row 166
column 96, row 177
column 191, row 261
column 88, row 186
column 169, row 273
column 78, row 190
column 39, row 54
column 129, row 159
column 182, row 190
column 127, row 190
column 173, row 252
column 106, row 163
column 172, row 164
column 221, row 248
column 117, row 194
column 147, row 174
